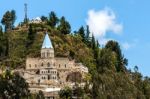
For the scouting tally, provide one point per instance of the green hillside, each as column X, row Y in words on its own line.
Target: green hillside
column 108, row 75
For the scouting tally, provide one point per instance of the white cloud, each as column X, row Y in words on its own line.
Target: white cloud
column 101, row 22
column 126, row 46
column 132, row 44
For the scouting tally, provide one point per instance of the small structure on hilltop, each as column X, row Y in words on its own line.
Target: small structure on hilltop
column 36, row 20
column 50, row 74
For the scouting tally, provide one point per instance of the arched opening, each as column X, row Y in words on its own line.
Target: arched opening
column 42, row 64
column 49, row 77
column 48, row 64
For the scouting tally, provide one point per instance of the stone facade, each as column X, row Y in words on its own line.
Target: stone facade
column 48, row 73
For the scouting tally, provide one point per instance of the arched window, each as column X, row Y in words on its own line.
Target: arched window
column 42, row 64
column 48, row 64
column 65, row 65
column 30, row 65
column 35, row 65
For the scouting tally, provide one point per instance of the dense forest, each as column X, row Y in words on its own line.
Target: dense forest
column 108, row 76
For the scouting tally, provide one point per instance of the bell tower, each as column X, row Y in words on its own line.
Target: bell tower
column 47, row 50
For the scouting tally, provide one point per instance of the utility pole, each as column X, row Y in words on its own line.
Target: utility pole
column 25, row 11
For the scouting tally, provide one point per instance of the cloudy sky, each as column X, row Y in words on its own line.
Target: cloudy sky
column 127, row 21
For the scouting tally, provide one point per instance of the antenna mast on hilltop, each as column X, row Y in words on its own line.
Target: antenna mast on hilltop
column 25, row 11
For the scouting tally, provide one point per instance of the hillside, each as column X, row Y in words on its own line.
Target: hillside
column 108, row 75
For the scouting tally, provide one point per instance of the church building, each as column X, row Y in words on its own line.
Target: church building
column 50, row 74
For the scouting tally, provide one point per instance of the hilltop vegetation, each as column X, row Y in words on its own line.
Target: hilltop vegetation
column 108, row 75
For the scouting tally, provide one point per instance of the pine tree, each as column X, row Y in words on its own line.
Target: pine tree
column 8, row 19
column 81, row 32
column 44, row 18
column 13, row 18
column 87, row 32
column 31, row 36
column 115, row 47
column 53, row 20
column 1, row 41
column 93, row 43
column 64, row 26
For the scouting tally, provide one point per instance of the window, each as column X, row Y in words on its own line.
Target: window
column 35, row 65
column 48, row 77
column 48, row 64
column 48, row 71
column 59, row 65
column 48, row 54
column 43, row 54
column 42, row 64
column 30, row 65
column 65, row 65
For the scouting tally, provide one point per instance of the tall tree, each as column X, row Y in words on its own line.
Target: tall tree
column 81, row 32
column 93, row 43
column 13, row 86
column 64, row 26
column 53, row 19
column 87, row 32
column 31, row 36
column 115, row 47
column 106, row 60
column 8, row 19
column 1, row 41
column 13, row 18
column 44, row 18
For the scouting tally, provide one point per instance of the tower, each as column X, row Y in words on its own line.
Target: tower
column 25, row 11
column 47, row 50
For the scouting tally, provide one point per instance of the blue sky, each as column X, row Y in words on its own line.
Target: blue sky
column 127, row 21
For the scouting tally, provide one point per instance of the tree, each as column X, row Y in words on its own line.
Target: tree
column 78, row 91
column 12, row 86
column 136, row 68
column 106, row 61
column 31, row 36
column 64, row 26
column 1, row 41
column 87, row 36
column 53, row 20
column 40, row 95
column 87, row 32
column 121, row 61
column 8, row 19
column 44, row 18
column 81, row 32
column 65, row 93
column 13, row 18
column 93, row 43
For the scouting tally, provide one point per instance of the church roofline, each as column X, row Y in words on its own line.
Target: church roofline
column 47, row 42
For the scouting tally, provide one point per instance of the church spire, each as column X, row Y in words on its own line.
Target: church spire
column 47, row 42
